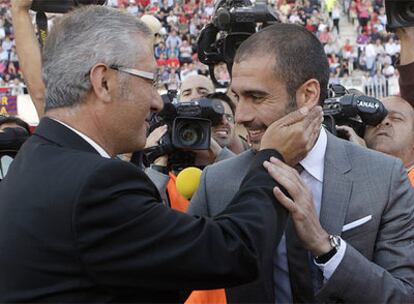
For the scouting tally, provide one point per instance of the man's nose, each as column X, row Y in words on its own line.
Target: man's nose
column 157, row 104
column 385, row 122
column 243, row 113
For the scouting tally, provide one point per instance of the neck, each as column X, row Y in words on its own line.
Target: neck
column 85, row 121
column 236, row 145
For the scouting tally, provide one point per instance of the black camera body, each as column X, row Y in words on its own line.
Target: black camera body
column 189, row 125
column 400, row 13
column 61, row 6
column 233, row 22
column 354, row 110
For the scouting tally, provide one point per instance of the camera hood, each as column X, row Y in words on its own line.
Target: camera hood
column 400, row 13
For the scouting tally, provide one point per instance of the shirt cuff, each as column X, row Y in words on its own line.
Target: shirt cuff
column 329, row 267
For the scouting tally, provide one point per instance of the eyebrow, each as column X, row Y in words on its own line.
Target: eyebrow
column 251, row 92
column 197, row 88
column 396, row 113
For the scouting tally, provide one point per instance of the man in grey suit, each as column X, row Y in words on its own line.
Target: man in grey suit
column 350, row 236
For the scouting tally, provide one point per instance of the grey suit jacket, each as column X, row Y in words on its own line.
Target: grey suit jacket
column 378, row 265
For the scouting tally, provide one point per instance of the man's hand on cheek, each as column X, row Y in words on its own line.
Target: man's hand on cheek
column 295, row 134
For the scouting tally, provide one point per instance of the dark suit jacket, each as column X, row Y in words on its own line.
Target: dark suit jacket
column 77, row 227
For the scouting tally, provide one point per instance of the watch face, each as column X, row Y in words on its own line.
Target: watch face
column 335, row 241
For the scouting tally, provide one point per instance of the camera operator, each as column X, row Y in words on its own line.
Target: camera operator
column 195, row 86
column 393, row 136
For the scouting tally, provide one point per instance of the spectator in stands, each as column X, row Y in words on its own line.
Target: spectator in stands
column 173, row 80
column 336, row 14
column 16, row 87
column 7, row 43
column 2, row 28
column 388, row 70
column 160, row 49
column 172, row 61
column 173, row 40
column 393, row 49
column 371, row 56
column 382, row 16
column 186, row 52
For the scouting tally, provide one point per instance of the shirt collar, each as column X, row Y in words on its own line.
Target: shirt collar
column 97, row 147
column 313, row 163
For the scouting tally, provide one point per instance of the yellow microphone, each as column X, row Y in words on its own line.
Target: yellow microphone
column 187, row 181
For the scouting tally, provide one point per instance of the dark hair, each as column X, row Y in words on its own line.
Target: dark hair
column 299, row 55
column 15, row 120
column 223, row 97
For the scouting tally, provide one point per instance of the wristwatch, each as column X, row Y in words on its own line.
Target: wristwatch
column 335, row 242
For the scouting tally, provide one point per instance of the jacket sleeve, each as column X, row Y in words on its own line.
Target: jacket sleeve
column 389, row 276
column 199, row 202
column 125, row 237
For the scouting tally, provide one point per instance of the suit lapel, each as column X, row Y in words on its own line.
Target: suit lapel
column 59, row 134
column 337, row 186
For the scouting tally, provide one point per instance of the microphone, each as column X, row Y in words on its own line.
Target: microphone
column 187, row 181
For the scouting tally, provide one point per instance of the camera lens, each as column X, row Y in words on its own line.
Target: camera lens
column 190, row 134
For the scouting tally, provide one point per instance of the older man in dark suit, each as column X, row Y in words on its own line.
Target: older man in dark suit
column 77, row 225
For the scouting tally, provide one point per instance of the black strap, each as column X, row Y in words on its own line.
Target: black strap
column 41, row 21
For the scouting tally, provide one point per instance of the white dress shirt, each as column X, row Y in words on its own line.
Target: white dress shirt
column 312, row 175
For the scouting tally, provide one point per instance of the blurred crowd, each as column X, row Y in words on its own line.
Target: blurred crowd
column 370, row 52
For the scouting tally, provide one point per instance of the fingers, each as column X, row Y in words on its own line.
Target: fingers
column 345, row 129
column 156, row 135
column 158, row 132
column 315, row 117
column 312, row 131
column 286, row 176
column 284, row 200
column 294, row 117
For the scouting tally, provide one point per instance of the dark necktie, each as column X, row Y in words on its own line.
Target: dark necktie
column 299, row 264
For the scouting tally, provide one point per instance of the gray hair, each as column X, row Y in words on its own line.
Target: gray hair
column 81, row 39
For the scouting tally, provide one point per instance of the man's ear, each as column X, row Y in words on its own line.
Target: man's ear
column 308, row 94
column 101, row 77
